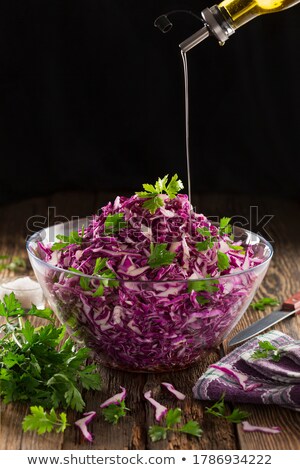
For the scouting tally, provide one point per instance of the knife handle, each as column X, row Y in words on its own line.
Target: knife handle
column 292, row 303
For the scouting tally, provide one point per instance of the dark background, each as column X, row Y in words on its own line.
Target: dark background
column 92, row 99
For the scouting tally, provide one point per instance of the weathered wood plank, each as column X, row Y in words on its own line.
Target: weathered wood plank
column 287, row 420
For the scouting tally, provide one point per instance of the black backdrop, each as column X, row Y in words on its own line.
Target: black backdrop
column 92, row 98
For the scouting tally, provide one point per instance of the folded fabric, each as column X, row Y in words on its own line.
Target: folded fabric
column 244, row 379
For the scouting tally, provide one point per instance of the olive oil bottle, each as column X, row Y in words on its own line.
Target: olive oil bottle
column 240, row 12
column 222, row 20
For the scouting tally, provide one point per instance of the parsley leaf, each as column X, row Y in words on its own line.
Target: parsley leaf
column 152, row 192
column 73, row 239
column 218, row 409
column 262, row 303
column 160, row 256
column 10, row 306
column 153, row 203
column 174, row 187
column 237, row 248
column 225, row 228
column 204, row 231
column 84, row 282
column 203, row 285
column 41, row 313
column 41, row 421
column 99, row 265
column 192, row 428
column 173, row 417
column 202, row 300
column 101, row 270
column 266, row 350
column 223, row 261
column 205, row 245
column 113, row 413
column 157, row 433
column 208, row 241
column 114, row 223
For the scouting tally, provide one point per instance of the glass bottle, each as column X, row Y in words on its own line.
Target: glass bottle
column 222, row 20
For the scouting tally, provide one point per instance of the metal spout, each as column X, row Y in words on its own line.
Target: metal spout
column 195, row 39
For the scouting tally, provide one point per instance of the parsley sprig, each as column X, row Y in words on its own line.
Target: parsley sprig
column 225, row 228
column 41, row 421
column 113, row 412
column 65, row 240
column 114, row 223
column 206, row 287
column 35, row 367
column 160, row 256
column 267, row 350
column 173, row 418
column 208, row 241
column 223, row 261
column 218, row 409
column 100, row 270
column 153, row 192
column 264, row 302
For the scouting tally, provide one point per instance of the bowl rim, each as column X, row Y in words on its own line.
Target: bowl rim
column 36, row 235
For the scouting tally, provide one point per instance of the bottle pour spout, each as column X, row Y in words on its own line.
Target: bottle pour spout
column 215, row 24
column 195, row 39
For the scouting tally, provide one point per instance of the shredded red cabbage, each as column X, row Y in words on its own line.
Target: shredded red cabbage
column 83, row 422
column 160, row 410
column 247, row 427
column 172, row 389
column 152, row 318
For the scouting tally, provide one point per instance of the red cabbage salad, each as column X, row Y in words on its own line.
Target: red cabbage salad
column 157, row 296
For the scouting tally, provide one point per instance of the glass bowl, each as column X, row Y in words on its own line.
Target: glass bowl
column 147, row 326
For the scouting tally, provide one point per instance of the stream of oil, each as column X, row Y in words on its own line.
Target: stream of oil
column 187, row 131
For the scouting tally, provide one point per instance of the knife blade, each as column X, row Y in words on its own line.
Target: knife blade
column 289, row 307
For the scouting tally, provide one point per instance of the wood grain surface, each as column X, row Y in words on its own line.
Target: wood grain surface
column 282, row 280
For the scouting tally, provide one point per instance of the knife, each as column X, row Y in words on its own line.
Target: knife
column 289, row 307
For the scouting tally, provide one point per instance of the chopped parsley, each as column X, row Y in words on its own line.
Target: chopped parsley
column 173, row 418
column 225, row 228
column 218, row 409
column 203, row 285
column 223, row 261
column 160, row 256
column 65, row 240
column 113, row 413
column 114, row 223
column 152, row 192
column 266, row 350
column 264, row 302
column 208, row 241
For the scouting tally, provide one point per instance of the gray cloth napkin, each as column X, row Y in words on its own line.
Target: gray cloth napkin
column 244, row 379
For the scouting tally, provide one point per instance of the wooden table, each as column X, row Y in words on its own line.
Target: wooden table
column 282, row 279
